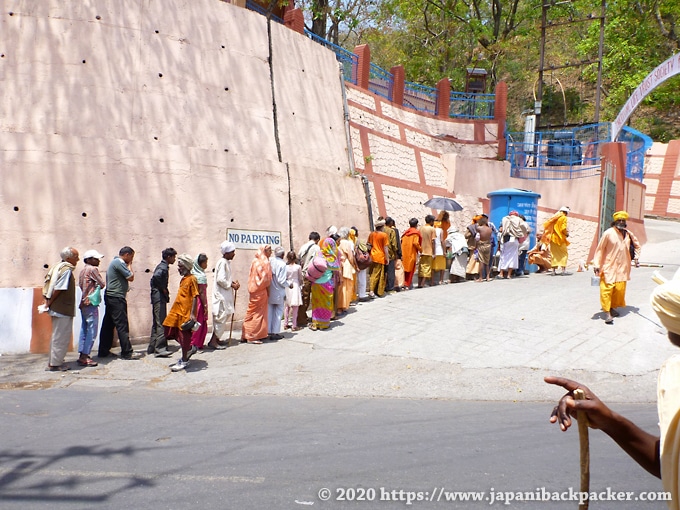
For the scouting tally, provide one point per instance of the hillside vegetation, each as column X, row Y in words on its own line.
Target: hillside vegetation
column 441, row 38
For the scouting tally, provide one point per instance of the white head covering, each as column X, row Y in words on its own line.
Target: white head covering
column 331, row 230
column 92, row 254
column 565, row 209
column 227, row 247
column 186, row 260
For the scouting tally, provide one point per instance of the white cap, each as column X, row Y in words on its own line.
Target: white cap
column 227, row 247
column 92, row 254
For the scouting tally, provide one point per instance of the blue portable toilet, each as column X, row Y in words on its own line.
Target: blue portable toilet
column 525, row 202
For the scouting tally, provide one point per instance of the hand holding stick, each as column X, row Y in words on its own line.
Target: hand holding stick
column 584, row 448
column 231, row 328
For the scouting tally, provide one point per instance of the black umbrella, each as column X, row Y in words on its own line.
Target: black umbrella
column 443, row 203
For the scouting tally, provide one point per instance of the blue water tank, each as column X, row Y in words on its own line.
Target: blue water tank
column 525, row 202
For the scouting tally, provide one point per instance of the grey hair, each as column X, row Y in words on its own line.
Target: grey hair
column 343, row 232
column 279, row 252
column 66, row 253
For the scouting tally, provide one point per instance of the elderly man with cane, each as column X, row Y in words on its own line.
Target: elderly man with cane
column 224, row 295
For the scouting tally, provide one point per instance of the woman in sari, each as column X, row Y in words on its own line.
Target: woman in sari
column 352, row 236
column 255, row 323
column 200, row 265
column 322, row 289
column 347, row 270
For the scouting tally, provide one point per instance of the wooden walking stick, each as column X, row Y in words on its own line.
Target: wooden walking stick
column 584, row 448
column 231, row 328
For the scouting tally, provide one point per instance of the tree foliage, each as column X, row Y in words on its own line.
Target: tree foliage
column 441, row 38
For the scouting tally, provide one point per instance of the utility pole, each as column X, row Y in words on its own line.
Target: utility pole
column 545, row 24
column 599, row 63
column 538, row 102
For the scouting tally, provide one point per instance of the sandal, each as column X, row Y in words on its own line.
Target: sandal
column 257, row 342
column 313, row 327
column 87, row 362
column 60, row 368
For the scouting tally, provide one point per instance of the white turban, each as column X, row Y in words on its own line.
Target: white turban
column 665, row 300
column 227, row 247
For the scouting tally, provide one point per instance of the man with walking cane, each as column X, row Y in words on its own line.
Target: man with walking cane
column 224, row 294
column 658, row 454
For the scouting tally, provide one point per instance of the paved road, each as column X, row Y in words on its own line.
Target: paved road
column 103, row 448
column 467, row 341
column 458, row 370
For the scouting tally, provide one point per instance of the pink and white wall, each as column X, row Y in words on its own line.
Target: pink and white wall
column 151, row 124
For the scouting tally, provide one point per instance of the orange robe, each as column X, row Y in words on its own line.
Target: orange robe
column 410, row 247
column 255, row 322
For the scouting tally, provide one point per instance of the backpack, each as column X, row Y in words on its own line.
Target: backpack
column 631, row 246
column 317, row 267
column 362, row 256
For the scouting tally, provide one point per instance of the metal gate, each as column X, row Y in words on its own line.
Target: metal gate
column 608, row 198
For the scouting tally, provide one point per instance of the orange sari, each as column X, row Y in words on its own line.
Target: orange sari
column 255, row 322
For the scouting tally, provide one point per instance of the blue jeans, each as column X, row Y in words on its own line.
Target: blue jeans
column 88, row 329
column 522, row 261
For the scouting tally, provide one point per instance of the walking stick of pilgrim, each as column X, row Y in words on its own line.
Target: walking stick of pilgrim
column 584, row 448
column 231, row 328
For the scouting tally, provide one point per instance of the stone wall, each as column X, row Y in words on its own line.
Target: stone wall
column 152, row 125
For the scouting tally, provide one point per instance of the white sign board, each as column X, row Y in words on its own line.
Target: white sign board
column 253, row 239
column 669, row 68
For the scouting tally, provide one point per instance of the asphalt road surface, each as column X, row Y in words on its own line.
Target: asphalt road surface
column 77, row 448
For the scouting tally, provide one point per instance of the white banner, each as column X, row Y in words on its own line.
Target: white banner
column 668, row 69
column 253, row 239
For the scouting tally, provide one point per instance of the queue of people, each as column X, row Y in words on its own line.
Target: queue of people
column 325, row 276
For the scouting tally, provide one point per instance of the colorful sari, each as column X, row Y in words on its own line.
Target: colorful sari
column 198, row 336
column 353, row 237
column 322, row 289
column 255, row 323
column 347, row 272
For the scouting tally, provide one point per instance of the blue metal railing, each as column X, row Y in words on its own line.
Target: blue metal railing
column 258, row 8
column 637, row 144
column 420, row 97
column 380, row 82
column 471, row 105
column 349, row 60
column 555, row 155
column 416, row 97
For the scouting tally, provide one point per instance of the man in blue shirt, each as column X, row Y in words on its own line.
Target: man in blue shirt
column 118, row 276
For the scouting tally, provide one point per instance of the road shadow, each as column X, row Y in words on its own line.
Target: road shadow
column 34, row 477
